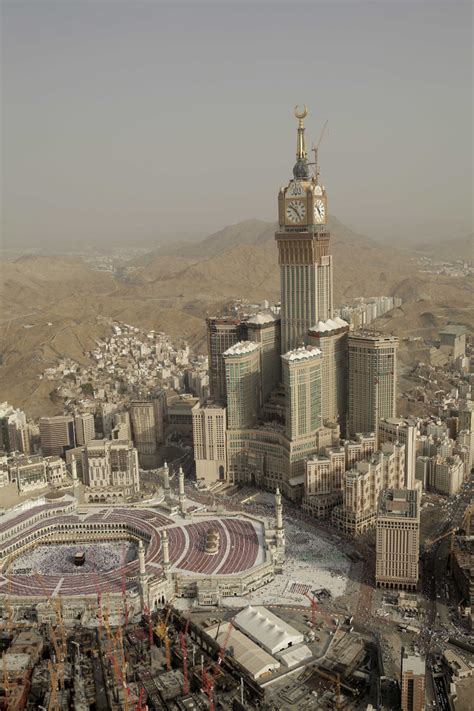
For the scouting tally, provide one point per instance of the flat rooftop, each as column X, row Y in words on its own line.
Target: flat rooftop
column 398, row 503
column 414, row 663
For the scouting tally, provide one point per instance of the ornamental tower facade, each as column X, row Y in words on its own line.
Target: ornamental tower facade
column 306, row 272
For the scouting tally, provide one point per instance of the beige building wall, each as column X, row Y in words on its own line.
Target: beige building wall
column 397, row 429
column 209, row 439
column 362, row 485
column 398, row 539
column 111, row 463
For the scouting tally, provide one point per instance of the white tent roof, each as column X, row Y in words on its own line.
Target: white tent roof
column 294, row 655
column 270, row 631
column 246, row 652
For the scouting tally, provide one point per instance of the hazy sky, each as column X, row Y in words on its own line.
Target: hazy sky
column 124, row 120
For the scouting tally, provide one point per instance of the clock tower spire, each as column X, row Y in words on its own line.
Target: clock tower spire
column 301, row 169
column 303, row 249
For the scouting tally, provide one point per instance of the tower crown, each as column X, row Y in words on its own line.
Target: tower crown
column 301, row 169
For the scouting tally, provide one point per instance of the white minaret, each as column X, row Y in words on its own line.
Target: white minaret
column 142, row 572
column 141, row 558
column 166, row 552
column 279, row 530
column 182, row 495
column 75, row 478
column 166, row 480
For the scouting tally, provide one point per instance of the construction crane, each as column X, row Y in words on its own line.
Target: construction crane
column 183, row 638
column 315, row 148
column 335, row 680
column 53, row 704
column 124, row 587
column 209, row 679
column 161, row 630
column 111, row 653
column 60, row 650
column 313, row 603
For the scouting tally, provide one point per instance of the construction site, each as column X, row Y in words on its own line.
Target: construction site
column 247, row 658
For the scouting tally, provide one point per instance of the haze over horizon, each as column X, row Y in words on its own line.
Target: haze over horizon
column 122, row 121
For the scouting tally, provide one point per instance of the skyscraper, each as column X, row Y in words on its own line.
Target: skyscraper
column 372, row 380
column 85, row 429
column 147, row 420
column 222, row 333
column 331, row 337
column 242, row 373
column 209, row 438
column 264, row 329
column 301, row 370
column 306, row 279
column 57, row 434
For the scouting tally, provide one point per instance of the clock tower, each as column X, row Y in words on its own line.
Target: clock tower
column 306, row 282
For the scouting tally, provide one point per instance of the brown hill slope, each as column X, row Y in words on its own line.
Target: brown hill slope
column 451, row 249
column 51, row 305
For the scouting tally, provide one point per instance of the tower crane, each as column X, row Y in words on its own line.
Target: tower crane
column 161, row 630
column 60, row 649
column 183, row 638
column 315, row 148
column 335, row 680
column 313, row 603
column 210, row 678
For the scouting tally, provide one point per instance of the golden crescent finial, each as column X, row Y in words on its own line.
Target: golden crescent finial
column 301, row 115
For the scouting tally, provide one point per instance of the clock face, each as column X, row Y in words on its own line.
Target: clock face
column 295, row 211
column 295, row 189
column 319, row 211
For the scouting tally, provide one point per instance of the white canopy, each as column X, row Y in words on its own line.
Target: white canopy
column 268, row 630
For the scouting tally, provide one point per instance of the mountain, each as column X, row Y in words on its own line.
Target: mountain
column 450, row 250
column 56, row 306
column 242, row 261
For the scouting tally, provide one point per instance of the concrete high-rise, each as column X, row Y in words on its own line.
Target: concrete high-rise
column 398, row 539
column 57, row 434
column 306, row 272
column 242, row 373
column 301, row 370
column 85, row 428
column 372, row 380
column 209, row 438
column 264, row 329
column 222, row 333
column 397, row 429
column 14, row 430
column 147, row 420
column 331, row 337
